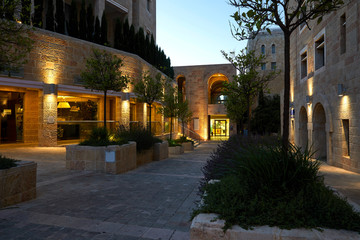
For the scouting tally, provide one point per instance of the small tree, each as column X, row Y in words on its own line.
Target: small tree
column 170, row 105
column 149, row 90
column 60, row 17
column 103, row 73
column 15, row 42
column 247, row 83
column 184, row 114
column 253, row 16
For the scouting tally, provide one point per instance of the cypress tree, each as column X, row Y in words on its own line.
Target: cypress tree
column 50, row 21
column 82, row 21
column 152, row 50
column 104, row 40
column 9, row 11
column 133, row 43
column 38, row 9
column 126, row 33
column 73, row 21
column 141, row 42
column 90, row 23
column 147, row 48
column 118, row 41
column 97, row 32
column 25, row 11
column 60, row 17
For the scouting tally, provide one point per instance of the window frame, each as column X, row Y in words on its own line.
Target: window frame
column 320, row 35
column 301, row 53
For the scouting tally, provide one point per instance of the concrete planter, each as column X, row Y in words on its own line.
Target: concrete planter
column 188, row 146
column 18, row 184
column 206, row 226
column 144, row 157
column 113, row 159
column 161, row 151
column 177, row 150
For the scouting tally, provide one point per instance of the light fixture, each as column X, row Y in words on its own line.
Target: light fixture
column 291, row 105
column 50, row 89
column 308, row 99
column 341, row 90
column 63, row 104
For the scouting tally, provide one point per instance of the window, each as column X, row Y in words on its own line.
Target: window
column 263, row 49
column 345, row 123
column 263, row 66
column 196, row 124
column 148, row 5
column 343, row 34
column 273, row 49
column 303, row 58
column 273, row 65
column 320, row 52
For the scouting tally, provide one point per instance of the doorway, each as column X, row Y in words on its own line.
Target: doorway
column 219, row 128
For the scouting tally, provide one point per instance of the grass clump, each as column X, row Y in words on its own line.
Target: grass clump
column 6, row 163
column 101, row 137
column 264, row 185
column 144, row 139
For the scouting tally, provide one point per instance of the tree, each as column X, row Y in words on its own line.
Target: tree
column 60, row 17
column 104, row 40
column 82, row 21
column 38, row 9
column 246, row 84
column 103, row 73
column 149, row 90
column 253, row 16
column 184, row 113
column 25, row 11
column 90, row 23
column 73, row 25
column 170, row 107
column 50, row 21
column 15, row 42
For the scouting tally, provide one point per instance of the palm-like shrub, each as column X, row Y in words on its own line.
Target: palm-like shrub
column 6, row 163
column 101, row 137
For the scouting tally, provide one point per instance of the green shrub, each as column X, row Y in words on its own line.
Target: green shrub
column 6, row 163
column 263, row 185
column 183, row 139
column 144, row 139
column 173, row 143
column 101, row 137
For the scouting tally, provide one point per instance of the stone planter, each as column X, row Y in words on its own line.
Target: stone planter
column 177, row 150
column 206, row 226
column 161, row 151
column 112, row 159
column 188, row 146
column 18, row 184
column 144, row 157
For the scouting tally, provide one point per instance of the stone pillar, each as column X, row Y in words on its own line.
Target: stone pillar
column 48, row 132
column 125, row 112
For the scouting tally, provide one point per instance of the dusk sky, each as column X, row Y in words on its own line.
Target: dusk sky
column 193, row 32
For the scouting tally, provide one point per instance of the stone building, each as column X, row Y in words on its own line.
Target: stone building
column 46, row 103
column 202, row 86
column 272, row 47
column 325, row 87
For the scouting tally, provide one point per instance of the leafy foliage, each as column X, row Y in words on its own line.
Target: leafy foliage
column 144, row 139
column 101, row 137
column 173, row 143
column 184, row 114
column 6, row 163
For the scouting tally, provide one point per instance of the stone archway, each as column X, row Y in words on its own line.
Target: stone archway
column 303, row 129
column 319, row 132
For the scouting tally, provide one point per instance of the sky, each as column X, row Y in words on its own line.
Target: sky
column 193, row 32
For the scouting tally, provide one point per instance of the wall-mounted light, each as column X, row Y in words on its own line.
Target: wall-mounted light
column 341, row 90
column 292, row 105
column 308, row 99
column 50, row 89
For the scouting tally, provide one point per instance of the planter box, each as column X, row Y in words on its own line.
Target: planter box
column 206, row 226
column 188, row 146
column 144, row 157
column 112, row 159
column 161, row 151
column 177, row 150
column 18, row 184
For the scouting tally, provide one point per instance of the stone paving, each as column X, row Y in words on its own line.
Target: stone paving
column 151, row 202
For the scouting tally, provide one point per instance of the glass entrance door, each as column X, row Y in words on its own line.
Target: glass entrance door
column 220, row 128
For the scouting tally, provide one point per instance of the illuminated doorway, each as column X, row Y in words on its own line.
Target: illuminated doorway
column 219, row 128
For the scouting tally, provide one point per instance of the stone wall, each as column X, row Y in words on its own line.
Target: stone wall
column 328, row 121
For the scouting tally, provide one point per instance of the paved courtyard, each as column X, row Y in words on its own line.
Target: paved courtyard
column 151, row 202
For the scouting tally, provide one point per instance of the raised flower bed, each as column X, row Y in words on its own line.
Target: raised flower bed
column 161, row 151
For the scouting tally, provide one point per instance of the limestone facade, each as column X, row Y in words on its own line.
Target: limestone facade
column 325, row 81
column 272, row 47
column 201, row 86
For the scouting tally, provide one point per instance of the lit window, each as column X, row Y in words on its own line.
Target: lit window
column 303, row 58
column 343, row 34
column 263, row 66
column 263, row 49
column 273, row 65
column 320, row 52
column 345, row 123
column 273, row 49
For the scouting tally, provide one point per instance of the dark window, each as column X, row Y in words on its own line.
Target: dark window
column 273, row 65
column 263, row 49
column 303, row 58
column 263, row 66
column 346, row 129
column 273, row 49
column 343, row 34
column 320, row 52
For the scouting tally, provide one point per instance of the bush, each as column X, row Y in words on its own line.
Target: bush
column 6, row 163
column 183, row 139
column 144, row 139
column 173, row 143
column 264, row 185
column 101, row 137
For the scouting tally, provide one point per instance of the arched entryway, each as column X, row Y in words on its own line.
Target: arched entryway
column 319, row 132
column 303, row 129
column 181, row 81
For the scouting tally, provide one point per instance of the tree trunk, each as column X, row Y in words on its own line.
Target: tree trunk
column 285, row 137
column 171, row 125
column 183, row 128
column 149, row 127
column 249, row 117
column 105, row 109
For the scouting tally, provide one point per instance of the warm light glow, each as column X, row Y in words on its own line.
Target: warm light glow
column 310, row 86
column 63, row 104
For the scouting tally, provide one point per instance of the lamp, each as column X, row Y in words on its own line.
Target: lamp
column 63, row 104
column 341, row 90
column 50, row 89
column 308, row 99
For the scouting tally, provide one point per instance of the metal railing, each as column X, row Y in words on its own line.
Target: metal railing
column 191, row 134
